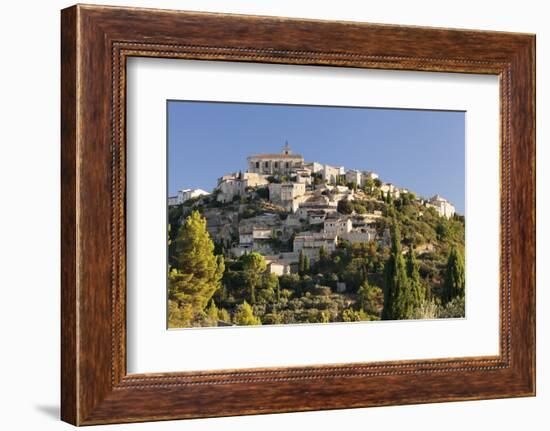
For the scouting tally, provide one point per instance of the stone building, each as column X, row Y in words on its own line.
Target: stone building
column 237, row 184
column 360, row 235
column 337, row 225
column 369, row 175
column 354, row 176
column 331, row 173
column 284, row 163
column 443, row 207
column 311, row 242
column 315, row 204
column 288, row 195
column 314, row 167
column 392, row 189
column 184, row 195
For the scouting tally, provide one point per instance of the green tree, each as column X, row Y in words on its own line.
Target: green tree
column 223, row 315
column 212, row 313
column 369, row 297
column 369, row 186
column 270, row 290
column 307, row 264
column 455, row 280
column 324, row 258
column 344, row 206
column 398, row 301
column 417, row 290
column 302, row 263
column 245, row 315
column 196, row 274
column 253, row 265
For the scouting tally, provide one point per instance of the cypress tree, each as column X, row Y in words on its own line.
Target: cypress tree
column 398, row 302
column 301, row 263
column 323, row 258
column 455, row 281
column 418, row 294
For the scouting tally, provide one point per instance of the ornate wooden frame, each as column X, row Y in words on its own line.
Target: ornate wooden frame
column 95, row 42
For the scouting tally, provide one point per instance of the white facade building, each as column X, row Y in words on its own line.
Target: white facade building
column 389, row 187
column 337, row 226
column 369, row 175
column 354, row 176
column 314, row 167
column 331, row 173
column 184, row 195
column 443, row 207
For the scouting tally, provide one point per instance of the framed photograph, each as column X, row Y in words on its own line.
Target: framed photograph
column 267, row 215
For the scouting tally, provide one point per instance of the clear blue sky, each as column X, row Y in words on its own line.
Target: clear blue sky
column 421, row 150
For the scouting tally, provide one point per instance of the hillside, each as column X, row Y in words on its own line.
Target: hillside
column 342, row 269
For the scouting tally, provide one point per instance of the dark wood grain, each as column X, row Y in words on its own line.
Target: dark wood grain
column 69, row 367
column 96, row 41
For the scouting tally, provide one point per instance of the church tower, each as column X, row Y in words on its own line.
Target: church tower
column 286, row 149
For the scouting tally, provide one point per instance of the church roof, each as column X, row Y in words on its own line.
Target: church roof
column 276, row 156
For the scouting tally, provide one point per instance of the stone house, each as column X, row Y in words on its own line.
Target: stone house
column 316, row 203
column 237, row 184
column 443, row 207
column 337, row 225
column 314, row 167
column 392, row 189
column 360, row 235
column 369, row 175
column 288, row 195
column 331, row 173
column 316, row 216
column 354, row 176
column 184, row 195
column 311, row 242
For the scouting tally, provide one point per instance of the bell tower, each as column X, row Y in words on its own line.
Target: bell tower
column 286, row 149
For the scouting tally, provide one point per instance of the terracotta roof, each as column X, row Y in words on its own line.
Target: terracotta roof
column 276, row 156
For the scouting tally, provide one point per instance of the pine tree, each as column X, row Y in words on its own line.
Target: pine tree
column 398, row 301
column 455, row 281
column 245, row 315
column 369, row 297
column 212, row 313
column 196, row 274
column 417, row 290
column 253, row 265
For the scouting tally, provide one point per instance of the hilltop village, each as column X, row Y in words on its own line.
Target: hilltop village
column 302, row 216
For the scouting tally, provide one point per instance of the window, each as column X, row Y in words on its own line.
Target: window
column 258, row 165
column 287, row 165
column 266, row 164
column 276, row 164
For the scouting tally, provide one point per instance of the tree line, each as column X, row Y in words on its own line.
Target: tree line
column 205, row 289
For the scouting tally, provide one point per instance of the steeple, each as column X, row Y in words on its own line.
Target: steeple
column 286, row 149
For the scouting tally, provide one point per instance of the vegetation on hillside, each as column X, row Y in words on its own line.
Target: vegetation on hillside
column 418, row 275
